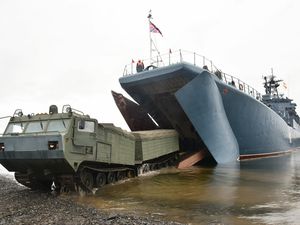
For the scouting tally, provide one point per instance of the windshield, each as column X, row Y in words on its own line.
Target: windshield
column 38, row 126
column 34, row 127
column 58, row 125
column 15, row 128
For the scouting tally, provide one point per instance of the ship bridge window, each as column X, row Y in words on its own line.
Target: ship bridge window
column 15, row 128
column 37, row 126
column 58, row 125
column 86, row 126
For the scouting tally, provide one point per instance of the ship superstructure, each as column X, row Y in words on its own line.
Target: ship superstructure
column 283, row 106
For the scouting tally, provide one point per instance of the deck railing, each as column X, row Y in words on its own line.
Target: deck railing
column 197, row 60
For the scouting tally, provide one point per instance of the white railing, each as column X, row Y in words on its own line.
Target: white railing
column 197, row 60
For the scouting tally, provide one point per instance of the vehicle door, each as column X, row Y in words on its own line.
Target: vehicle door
column 85, row 136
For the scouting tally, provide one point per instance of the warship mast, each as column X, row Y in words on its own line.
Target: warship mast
column 153, row 47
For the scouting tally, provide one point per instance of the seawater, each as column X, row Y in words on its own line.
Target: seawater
column 260, row 191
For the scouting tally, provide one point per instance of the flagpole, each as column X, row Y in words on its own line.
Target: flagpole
column 150, row 37
column 153, row 28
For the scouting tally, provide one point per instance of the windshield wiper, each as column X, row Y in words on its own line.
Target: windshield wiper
column 64, row 123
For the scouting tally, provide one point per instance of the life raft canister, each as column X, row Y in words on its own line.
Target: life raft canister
column 241, row 87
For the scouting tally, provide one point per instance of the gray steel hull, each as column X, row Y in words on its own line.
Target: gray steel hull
column 209, row 113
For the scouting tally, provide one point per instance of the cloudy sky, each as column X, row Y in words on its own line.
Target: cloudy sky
column 73, row 52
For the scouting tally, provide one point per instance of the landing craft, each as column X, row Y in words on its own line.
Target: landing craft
column 214, row 113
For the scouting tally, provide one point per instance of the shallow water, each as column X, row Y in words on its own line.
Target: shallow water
column 263, row 191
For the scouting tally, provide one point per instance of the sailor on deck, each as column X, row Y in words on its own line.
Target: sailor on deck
column 139, row 66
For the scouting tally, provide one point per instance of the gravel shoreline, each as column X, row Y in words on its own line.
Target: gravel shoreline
column 20, row 205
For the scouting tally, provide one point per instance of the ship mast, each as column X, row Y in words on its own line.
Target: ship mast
column 271, row 85
column 153, row 47
column 150, row 37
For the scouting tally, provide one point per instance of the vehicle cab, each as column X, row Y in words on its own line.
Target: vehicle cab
column 29, row 138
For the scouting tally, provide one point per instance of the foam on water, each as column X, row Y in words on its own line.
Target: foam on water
column 5, row 173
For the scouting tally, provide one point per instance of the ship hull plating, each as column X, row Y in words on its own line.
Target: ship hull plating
column 210, row 114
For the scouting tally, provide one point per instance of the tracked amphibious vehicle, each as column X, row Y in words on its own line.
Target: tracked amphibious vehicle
column 76, row 152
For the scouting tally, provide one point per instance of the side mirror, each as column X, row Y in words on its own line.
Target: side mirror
column 81, row 124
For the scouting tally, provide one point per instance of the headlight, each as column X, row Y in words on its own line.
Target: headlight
column 52, row 145
column 2, row 147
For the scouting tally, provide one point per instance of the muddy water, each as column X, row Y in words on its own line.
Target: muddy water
column 264, row 191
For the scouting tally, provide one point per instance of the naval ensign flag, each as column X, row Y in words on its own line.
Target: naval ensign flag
column 154, row 29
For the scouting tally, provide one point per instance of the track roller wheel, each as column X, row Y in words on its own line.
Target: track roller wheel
column 87, row 179
column 145, row 168
column 121, row 175
column 130, row 173
column 111, row 177
column 100, row 179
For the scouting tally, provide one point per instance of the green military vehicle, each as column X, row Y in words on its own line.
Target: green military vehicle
column 76, row 152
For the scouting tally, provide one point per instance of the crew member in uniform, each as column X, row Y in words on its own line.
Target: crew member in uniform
column 139, row 66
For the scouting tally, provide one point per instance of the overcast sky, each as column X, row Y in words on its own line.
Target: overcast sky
column 73, row 52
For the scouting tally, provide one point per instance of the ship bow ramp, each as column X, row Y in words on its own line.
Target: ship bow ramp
column 187, row 99
column 201, row 101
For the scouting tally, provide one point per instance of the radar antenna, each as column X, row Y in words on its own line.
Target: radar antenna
column 271, row 85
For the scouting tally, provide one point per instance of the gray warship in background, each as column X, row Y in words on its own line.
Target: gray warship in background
column 215, row 114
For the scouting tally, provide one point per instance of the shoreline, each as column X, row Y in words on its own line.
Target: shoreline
column 21, row 205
